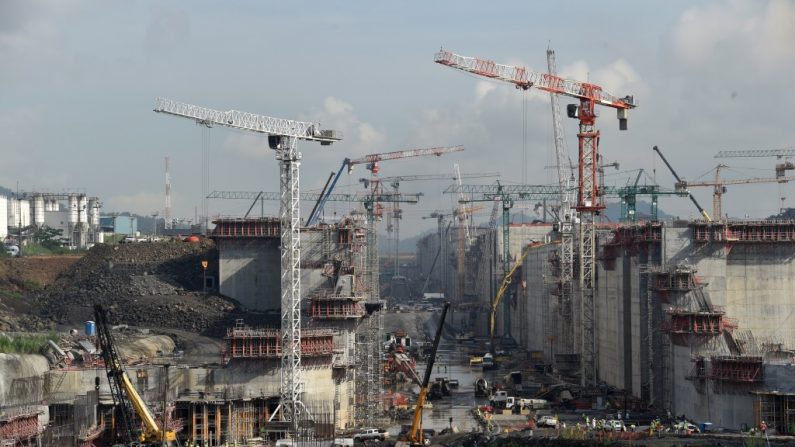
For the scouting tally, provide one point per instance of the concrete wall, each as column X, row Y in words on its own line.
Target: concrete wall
column 249, row 271
column 537, row 314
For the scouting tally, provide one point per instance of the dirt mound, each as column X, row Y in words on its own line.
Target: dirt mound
column 156, row 285
column 20, row 277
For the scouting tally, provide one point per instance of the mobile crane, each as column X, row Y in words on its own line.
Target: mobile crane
column 415, row 437
column 126, row 398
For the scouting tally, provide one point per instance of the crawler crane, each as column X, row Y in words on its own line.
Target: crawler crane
column 415, row 437
column 128, row 402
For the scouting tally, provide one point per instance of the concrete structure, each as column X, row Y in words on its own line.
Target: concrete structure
column 688, row 315
column 332, row 286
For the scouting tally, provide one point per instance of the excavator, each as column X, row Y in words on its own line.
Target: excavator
column 506, row 281
column 125, row 397
column 415, row 436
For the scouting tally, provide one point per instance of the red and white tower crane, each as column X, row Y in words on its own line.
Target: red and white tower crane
column 589, row 200
column 283, row 136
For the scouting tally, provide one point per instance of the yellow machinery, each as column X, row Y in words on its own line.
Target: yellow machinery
column 125, row 396
column 415, row 436
column 506, row 281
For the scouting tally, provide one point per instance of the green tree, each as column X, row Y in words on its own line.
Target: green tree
column 47, row 237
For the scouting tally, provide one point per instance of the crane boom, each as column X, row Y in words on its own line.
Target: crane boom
column 783, row 152
column 123, row 391
column 248, row 121
column 406, row 153
column 740, row 181
column 524, row 79
column 680, row 182
column 415, row 436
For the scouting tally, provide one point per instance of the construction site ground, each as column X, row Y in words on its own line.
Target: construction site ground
column 453, row 363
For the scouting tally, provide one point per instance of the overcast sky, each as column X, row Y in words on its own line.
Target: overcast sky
column 80, row 77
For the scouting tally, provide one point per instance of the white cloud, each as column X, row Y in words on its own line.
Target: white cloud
column 736, row 32
column 361, row 136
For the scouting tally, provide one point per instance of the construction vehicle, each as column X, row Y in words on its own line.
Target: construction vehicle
column 680, row 182
column 127, row 401
column 506, row 281
column 415, row 436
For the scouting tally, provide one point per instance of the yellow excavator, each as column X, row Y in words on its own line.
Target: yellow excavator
column 415, row 436
column 125, row 396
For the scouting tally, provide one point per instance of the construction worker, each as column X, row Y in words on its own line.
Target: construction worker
column 763, row 427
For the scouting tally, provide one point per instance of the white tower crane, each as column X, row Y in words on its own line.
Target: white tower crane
column 282, row 135
column 565, row 220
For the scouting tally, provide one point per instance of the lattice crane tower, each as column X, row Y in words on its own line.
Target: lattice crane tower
column 282, row 135
column 589, row 201
column 565, row 220
column 373, row 209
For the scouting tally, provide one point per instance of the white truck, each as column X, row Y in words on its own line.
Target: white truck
column 371, row 434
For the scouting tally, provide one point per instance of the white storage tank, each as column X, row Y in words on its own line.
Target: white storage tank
column 3, row 217
column 24, row 212
column 56, row 205
column 82, row 205
column 93, row 212
column 72, row 205
column 47, row 205
column 38, row 210
column 18, row 213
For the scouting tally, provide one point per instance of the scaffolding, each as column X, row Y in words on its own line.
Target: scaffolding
column 326, row 305
column 774, row 231
column 741, row 369
column 244, row 228
column 243, row 342
column 777, row 409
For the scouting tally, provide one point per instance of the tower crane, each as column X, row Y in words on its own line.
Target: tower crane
column 397, row 213
column 719, row 187
column 781, row 168
column 440, row 218
column 505, row 196
column 374, row 210
column 565, row 217
column 368, row 377
column 372, row 161
column 589, row 200
column 283, row 135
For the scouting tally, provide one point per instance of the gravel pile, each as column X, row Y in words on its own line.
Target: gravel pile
column 156, row 285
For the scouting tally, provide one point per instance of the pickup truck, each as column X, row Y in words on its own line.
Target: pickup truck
column 547, row 421
column 371, row 434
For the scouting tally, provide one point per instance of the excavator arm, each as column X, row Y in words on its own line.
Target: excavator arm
column 506, row 281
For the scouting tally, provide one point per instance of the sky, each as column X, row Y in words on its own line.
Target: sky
column 80, row 77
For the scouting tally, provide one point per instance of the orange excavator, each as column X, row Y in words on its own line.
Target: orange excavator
column 415, row 437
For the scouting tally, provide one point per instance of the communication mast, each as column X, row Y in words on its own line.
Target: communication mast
column 167, row 215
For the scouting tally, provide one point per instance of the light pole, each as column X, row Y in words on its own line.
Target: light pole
column 204, row 276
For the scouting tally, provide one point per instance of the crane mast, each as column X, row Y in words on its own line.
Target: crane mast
column 566, row 220
column 374, row 324
column 283, row 135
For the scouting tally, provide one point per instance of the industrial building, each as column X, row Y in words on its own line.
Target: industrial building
column 74, row 214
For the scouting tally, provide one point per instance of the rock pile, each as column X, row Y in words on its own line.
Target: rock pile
column 154, row 285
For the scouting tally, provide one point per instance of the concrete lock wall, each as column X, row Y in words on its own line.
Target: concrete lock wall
column 249, row 271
